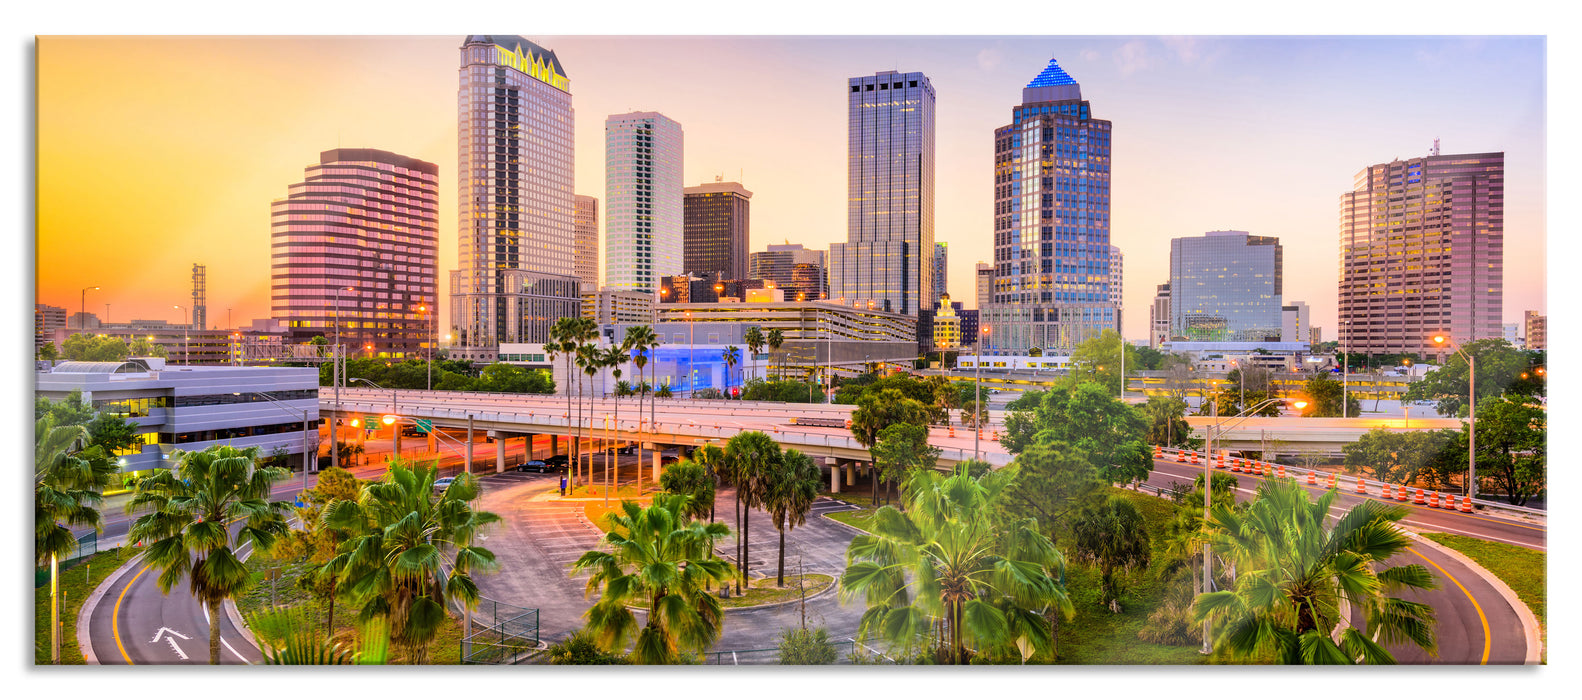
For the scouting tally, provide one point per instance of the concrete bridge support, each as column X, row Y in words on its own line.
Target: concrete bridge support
column 834, row 474
column 499, row 452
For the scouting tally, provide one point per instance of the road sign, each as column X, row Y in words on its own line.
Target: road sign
column 424, row 424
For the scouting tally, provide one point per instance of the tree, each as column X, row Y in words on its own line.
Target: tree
column 1512, row 447
column 141, row 347
column 660, row 560
column 69, row 478
column 390, row 565
column 1047, row 483
column 712, row 459
column 788, row 494
column 1324, row 397
column 1392, row 457
column 901, row 449
column 754, row 338
column 731, row 356
column 776, row 339
column 579, row 649
column 879, row 410
column 750, row 457
column 1111, row 535
column 316, row 543
column 614, row 357
column 1098, row 360
column 562, row 342
column 1180, row 380
column 47, row 352
column 591, row 361
column 945, row 574
column 1499, row 371
column 1149, row 358
column 1089, row 418
column 688, row 478
column 663, row 392
column 1167, row 425
column 72, row 410
column 1240, row 393
column 643, row 340
column 506, row 378
column 1293, row 570
column 804, row 647
column 94, row 348
column 112, row 433
column 188, row 524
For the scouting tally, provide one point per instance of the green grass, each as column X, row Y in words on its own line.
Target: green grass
column 856, row 518
column 76, row 584
column 763, row 591
column 1520, row 568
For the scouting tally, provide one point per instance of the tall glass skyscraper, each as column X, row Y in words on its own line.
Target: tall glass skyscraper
column 1051, row 222
column 365, row 222
column 642, row 200
column 1422, row 245
column 715, row 227
column 587, row 219
column 517, row 269
column 1226, row 285
column 888, row 256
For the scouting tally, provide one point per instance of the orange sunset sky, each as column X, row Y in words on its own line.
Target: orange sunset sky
column 154, row 153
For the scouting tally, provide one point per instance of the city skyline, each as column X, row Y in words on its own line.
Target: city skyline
column 1200, row 143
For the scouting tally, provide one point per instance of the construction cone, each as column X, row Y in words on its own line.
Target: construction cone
column 1417, row 498
column 1466, row 504
column 1385, row 488
column 1361, row 488
column 1433, row 500
column 996, row 434
column 953, row 430
column 1312, row 478
column 1400, row 494
column 1235, row 467
column 1159, row 452
column 1332, row 483
column 1180, row 456
column 1194, row 458
column 1282, row 471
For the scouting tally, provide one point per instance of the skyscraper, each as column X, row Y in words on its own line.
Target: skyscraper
column 642, row 200
column 364, row 222
column 1159, row 327
column 1051, row 221
column 714, row 229
column 586, row 222
column 1116, row 297
column 1295, row 318
column 1226, row 285
column 985, row 279
column 941, row 258
column 797, row 270
column 1422, row 253
column 517, row 263
column 888, row 254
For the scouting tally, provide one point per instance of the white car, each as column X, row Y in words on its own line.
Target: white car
column 442, row 484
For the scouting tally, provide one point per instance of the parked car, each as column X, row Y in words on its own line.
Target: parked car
column 533, row 466
column 442, row 484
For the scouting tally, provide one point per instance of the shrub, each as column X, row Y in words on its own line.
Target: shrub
column 804, row 647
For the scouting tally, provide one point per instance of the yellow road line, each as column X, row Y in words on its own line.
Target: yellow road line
column 1481, row 617
column 115, row 615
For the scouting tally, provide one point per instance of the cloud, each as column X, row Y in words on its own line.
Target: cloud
column 1089, row 55
column 988, row 59
column 1186, row 48
column 1132, row 57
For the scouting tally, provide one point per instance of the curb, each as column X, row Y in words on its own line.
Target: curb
column 84, row 642
column 834, row 582
column 1529, row 621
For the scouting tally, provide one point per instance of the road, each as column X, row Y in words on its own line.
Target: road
column 1475, row 623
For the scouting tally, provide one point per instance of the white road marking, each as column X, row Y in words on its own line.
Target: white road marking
column 172, row 640
column 227, row 645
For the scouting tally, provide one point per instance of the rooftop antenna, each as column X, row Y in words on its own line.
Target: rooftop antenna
column 720, row 177
column 1435, row 152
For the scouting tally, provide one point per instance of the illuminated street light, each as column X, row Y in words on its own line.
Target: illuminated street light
column 1472, row 414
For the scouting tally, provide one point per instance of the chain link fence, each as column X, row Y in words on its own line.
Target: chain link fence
column 87, row 546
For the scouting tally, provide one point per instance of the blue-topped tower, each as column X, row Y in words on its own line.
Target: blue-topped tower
column 1051, row 286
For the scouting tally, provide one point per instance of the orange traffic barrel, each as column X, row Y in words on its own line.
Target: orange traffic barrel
column 1194, row 458
column 1282, row 471
column 1466, row 504
column 1385, row 488
column 1180, row 456
column 1361, row 488
column 1235, row 467
column 1433, row 500
column 1332, row 482
column 1400, row 493
column 1158, row 452
column 1312, row 478
column 953, row 430
column 1417, row 498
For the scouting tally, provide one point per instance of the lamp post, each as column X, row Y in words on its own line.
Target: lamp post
column 82, row 315
column 428, row 343
column 306, row 450
column 337, row 368
column 1208, row 491
column 186, row 342
column 395, row 431
column 1472, row 413
column 1345, row 371
column 977, row 397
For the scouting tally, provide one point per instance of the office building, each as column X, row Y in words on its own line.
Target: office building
column 1294, row 318
column 609, row 306
column 947, row 326
column 888, row 254
column 969, row 327
column 1537, row 330
column 819, row 335
column 642, row 200
column 46, row 320
column 1316, row 335
column 1159, row 318
column 586, row 222
column 517, row 234
column 1051, row 222
column 1512, row 332
column 355, row 253
column 793, row 268
column 941, row 281
column 1225, row 286
column 1116, row 260
column 1422, row 254
column 985, row 280
column 714, row 229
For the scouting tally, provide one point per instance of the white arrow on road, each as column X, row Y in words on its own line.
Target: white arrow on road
column 172, row 639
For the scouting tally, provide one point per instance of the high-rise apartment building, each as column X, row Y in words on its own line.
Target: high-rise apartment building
column 1051, row 222
column 355, row 249
column 642, row 200
column 941, row 281
column 586, row 222
column 888, row 254
column 1226, row 285
column 1159, row 325
column 985, row 280
column 714, row 229
column 1294, row 319
column 1422, row 253
column 1116, row 298
column 517, row 266
column 1537, row 330
column 793, row 268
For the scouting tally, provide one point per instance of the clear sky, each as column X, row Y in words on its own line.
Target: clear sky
column 167, row 151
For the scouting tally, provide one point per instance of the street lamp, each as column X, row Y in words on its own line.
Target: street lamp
column 82, row 316
column 186, row 343
column 1472, row 413
column 428, row 344
column 395, row 433
column 1208, row 491
column 977, row 397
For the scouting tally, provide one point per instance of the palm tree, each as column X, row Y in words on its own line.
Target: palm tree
column 732, row 356
column 188, row 528
column 392, row 565
column 788, row 495
column 658, row 559
column 1110, row 535
column 614, row 357
column 776, row 339
column 561, row 343
column 947, row 571
column 749, row 458
column 68, row 482
column 591, row 361
column 641, row 339
column 693, row 480
column 663, row 392
column 754, row 338
column 1293, row 571
column 712, row 458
